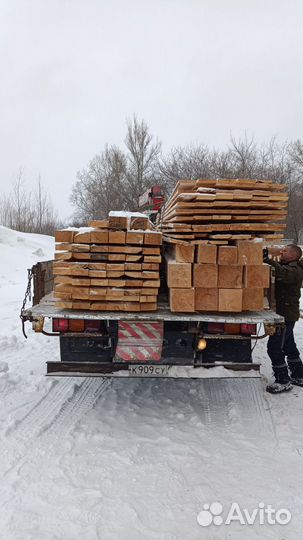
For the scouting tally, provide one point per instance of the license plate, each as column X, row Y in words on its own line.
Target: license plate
column 148, row 371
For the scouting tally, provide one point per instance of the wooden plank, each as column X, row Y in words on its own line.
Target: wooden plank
column 64, row 236
column 151, row 283
column 62, row 296
column 82, row 237
column 114, row 306
column 98, row 223
column 257, row 276
column 134, row 258
column 80, row 248
column 133, row 298
column 63, row 246
column 64, row 304
column 117, row 266
column 96, row 248
column 99, row 237
column 253, row 299
column 116, row 237
column 117, row 221
column 150, row 266
column 80, row 293
column 183, row 253
column 143, row 275
column 148, row 306
column 230, row 300
column 206, row 299
column 75, row 281
column 147, row 299
column 205, row 276
column 136, row 267
column 90, row 256
column 71, row 269
column 96, row 265
column 139, row 222
column 131, row 282
column 152, row 259
column 179, row 275
column 207, row 253
column 153, row 238
column 97, row 274
column 134, row 237
column 115, row 273
column 182, row 300
column 117, row 257
column 250, row 252
column 227, row 255
column 230, row 276
column 95, row 282
column 63, row 256
column 151, row 251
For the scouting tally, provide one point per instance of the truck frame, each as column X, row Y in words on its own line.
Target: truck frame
column 155, row 344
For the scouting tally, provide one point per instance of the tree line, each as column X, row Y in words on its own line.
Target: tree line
column 115, row 178
column 28, row 211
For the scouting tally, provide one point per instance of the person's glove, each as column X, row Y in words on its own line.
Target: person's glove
column 265, row 255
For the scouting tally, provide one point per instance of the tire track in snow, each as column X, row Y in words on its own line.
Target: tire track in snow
column 42, row 413
column 50, row 420
column 74, row 408
column 228, row 402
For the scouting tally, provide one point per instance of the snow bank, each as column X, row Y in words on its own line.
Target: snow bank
column 131, row 458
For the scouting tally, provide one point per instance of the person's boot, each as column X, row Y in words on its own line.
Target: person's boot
column 296, row 371
column 282, row 382
column 279, row 387
column 296, row 381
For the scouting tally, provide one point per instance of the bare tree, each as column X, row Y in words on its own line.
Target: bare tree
column 100, row 187
column 25, row 211
column 143, row 159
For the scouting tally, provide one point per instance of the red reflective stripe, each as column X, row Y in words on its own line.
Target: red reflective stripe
column 145, row 330
column 121, row 352
column 129, row 328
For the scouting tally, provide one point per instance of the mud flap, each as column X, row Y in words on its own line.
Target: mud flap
column 140, row 341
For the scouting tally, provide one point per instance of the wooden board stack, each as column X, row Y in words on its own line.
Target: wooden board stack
column 113, row 265
column 207, row 277
column 221, row 211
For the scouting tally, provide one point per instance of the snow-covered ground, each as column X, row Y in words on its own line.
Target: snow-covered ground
column 130, row 458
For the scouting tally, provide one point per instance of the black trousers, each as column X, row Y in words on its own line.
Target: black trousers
column 280, row 346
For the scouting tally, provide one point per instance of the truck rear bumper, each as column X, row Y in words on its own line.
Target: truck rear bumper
column 115, row 369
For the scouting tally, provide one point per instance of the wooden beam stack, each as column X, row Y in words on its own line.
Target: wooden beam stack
column 221, row 211
column 223, row 278
column 113, row 265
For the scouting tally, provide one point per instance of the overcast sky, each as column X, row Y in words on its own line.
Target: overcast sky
column 72, row 71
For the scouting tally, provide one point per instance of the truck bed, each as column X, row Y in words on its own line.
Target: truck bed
column 46, row 308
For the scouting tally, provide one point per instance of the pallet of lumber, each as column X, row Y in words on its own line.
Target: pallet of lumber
column 210, row 278
column 108, row 266
column 224, row 210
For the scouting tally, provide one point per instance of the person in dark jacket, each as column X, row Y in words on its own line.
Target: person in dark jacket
column 288, row 283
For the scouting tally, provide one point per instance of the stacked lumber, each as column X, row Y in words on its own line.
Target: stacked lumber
column 112, row 265
column 220, row 211
column 223, row 278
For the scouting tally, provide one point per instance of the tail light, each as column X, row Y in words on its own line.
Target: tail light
column 60, row 325
column 248, row 329
column 215, row 328
column 232, row 328
column 76, row 325
column 92, row 326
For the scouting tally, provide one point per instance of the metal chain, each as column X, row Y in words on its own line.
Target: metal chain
column 28, row 292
